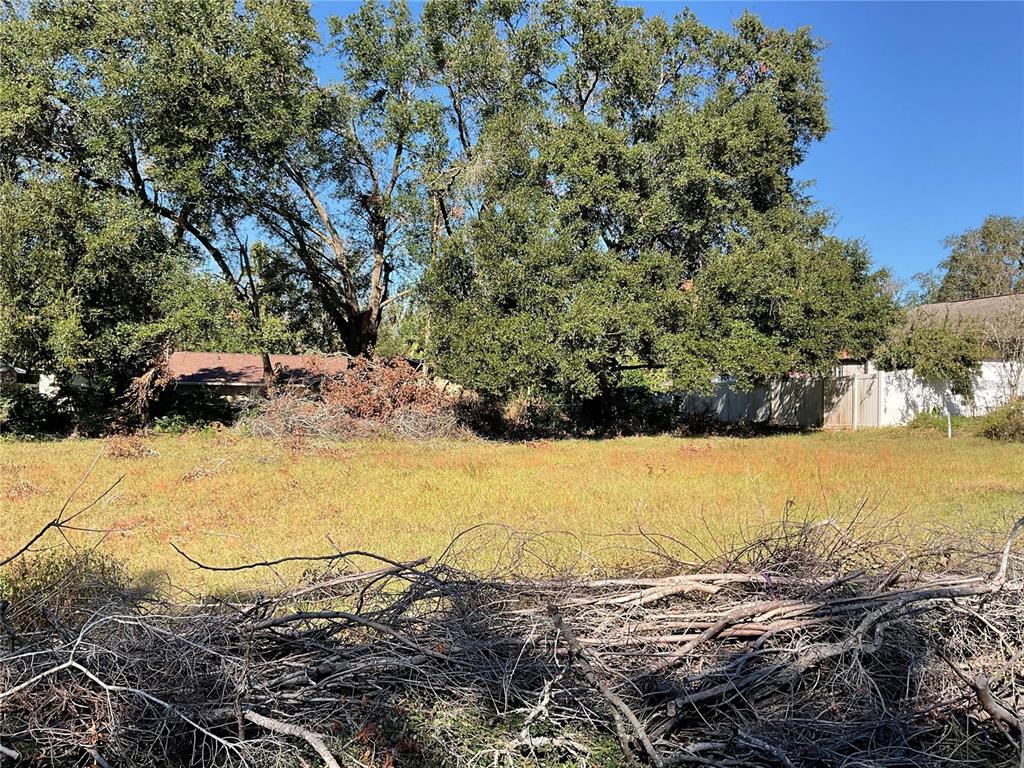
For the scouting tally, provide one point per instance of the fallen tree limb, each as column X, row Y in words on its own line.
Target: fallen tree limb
column 287, row 729
column 776, row 662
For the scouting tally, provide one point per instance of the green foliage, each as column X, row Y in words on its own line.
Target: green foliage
column 201, row 313
column 1005, row 424
column 23, row 411
column 60, row 587
column 586, row 190
column 527, row 416
column 640, row 405
column 402, row 331
column 639, row 210
column 983, row 261
column 938, row 352
column 79, row 282
column 182, row 409
column 935, row 421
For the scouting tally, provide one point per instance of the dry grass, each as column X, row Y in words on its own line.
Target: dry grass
column 229, row 500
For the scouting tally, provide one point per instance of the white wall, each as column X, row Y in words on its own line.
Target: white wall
column 904, row 395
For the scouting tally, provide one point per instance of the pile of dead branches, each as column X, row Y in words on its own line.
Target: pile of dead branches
column 292, row 414
column 806, row 647
column 387, row 398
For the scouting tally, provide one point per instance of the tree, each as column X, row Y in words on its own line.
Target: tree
column 985, row 261
column 939, row 353
column 377, row 131
column 197, row 311
column 587, row 191
column 644, row 213
column 79, row 277
column 209, row 115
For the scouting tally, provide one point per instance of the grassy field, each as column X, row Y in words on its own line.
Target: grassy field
column 228, row 500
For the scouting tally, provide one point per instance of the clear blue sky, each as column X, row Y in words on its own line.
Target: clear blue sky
column 926, row 101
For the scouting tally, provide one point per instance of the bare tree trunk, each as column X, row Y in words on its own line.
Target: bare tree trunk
column 268, row 370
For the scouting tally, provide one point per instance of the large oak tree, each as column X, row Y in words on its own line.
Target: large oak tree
column 638, row 208
column 583, row 189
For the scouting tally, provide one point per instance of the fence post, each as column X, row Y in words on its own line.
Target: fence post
column 880, row 394
column 856, row 401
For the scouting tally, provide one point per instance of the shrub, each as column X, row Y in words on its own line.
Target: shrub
column 531, row 416
column 637, row 408
column 1006, row 423
column 188, row 408
column 23, row 411
column 60, row 588
column 482, row 415
column 935, row 420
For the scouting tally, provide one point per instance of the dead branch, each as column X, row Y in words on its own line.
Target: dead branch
column 287, row 729
column 761, row 657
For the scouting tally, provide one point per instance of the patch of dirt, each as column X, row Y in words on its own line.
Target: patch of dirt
column 24, row 489
column 129, row 447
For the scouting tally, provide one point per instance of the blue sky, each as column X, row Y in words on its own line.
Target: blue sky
column 926, row 101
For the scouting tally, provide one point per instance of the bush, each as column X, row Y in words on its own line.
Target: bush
column 23, row 411
column 935, row 420
column 188, row 408
column 636, row 408
column 531, row 416
column 1006, row 423
column 60, row 588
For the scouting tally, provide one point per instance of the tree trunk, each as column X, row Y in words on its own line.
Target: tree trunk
column 268, row 371
column 361, row 333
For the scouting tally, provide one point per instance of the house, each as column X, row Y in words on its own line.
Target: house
column 982, row 312
column 235, row 375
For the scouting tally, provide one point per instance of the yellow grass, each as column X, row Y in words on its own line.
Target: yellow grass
column 229, row 500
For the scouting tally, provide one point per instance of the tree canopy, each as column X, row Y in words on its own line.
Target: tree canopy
column 983, row 261
column 633, row 205
column 80, row 278
column 556, row 192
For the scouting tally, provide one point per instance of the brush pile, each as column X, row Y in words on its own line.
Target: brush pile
column 386, row 398
column 806, row 647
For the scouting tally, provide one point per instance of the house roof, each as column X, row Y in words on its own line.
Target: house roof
column 247, row 370
column 974, row 310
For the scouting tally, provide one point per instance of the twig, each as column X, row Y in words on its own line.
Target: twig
column 60, row 522
column 592, row 678
column 1004, row 561
column 288, row 729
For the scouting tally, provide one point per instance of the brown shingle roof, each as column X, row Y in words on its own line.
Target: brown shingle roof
column 247, row 370
column 976, row 310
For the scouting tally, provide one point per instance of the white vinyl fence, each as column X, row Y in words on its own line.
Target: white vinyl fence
column 905, row 395
column 793, row 402
column 854, row 400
